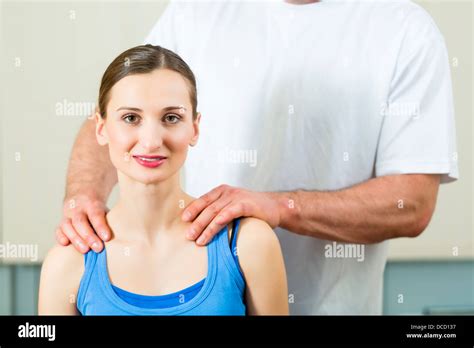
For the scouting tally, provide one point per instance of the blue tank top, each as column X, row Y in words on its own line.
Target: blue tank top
column 221, row 292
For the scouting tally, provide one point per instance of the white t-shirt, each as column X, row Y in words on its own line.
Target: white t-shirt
column 315, row 97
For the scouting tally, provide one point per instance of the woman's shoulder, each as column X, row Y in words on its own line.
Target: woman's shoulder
column 63, row 262
column 61, row 274
column 255, row 231
column 256, row 241
column 262, row 264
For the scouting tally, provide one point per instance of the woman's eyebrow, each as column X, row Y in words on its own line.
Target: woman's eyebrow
column 178, row 107
column 129, row 108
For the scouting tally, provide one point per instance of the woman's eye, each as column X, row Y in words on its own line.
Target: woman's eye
column 130, row 118
column 172, row 118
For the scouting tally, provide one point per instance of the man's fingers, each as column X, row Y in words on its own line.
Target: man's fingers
column 204, row 219
column 99, row 223
column 81, row 225
column 197, row 206
column 225, row 216
column 73, row 237
column 61, row 238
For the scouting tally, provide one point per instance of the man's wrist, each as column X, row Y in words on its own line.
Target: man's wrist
column 288, row 207
column 82, row 189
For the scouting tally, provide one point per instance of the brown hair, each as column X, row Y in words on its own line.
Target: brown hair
column 141, row 60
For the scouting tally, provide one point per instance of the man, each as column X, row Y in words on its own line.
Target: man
column 332, row 121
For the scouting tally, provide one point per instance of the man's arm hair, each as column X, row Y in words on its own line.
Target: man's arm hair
column 90, row 179
column 90, row 168
column 376, row 210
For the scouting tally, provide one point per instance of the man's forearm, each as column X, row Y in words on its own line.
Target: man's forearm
column 376, row 210
column 90, row 168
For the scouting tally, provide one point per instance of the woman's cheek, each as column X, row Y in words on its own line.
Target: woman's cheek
column 176, row 144
column 179, row 142
column 120, row 144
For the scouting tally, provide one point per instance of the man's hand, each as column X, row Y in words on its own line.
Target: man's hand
column 82, row 214
column 214, row 210
column 90, row 179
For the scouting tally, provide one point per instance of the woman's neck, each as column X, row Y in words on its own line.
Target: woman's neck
column 146, row 211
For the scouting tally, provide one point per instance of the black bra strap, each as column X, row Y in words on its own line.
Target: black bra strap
column 231, row 234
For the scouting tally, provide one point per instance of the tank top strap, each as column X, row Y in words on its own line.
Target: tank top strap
column 228, row 253
column 90, row 265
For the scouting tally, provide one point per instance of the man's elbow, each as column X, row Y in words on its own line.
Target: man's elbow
column 421, row 220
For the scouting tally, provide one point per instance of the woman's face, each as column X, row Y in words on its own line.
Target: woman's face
column 149, row 125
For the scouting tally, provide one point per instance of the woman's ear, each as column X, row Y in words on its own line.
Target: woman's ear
column 195, row 137
column 100, row 131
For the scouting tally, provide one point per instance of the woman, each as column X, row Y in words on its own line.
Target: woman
column 147, row 117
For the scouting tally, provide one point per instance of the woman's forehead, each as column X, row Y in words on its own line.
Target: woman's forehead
column 160, row 88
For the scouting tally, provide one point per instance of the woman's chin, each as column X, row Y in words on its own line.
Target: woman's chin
column 148, row 176
column 151, row 180
column 148, row 179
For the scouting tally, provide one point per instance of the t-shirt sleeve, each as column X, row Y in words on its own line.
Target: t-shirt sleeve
column 163, row 32
column 418, row 131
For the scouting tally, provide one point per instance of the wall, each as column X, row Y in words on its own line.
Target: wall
column 56, row 51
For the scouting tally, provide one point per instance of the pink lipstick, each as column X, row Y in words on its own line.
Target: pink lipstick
column 149, row 161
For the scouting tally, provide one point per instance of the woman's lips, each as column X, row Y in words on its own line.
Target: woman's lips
column 149, row 161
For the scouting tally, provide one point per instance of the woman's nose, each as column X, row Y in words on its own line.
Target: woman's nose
column 151, row 137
